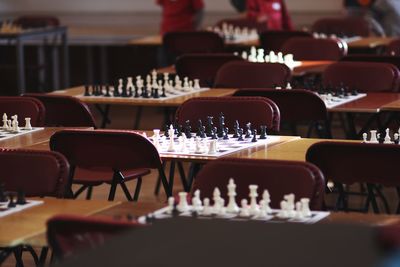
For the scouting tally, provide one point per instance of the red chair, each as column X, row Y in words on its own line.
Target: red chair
column 179, row 43
column 347, row 163
column 363, row 76
column 202, row 66
column 65, row 111
column 23, row 107
column 31, row 21
column 296, row 106
column 394, row 60
column 252, row 75
column 112, row 157
column 244, row 23
column 274, row 40
column 305, row 48
column 393, row 49
column 36, row 173
column 342, row 27
column 278, row 177
column 69, row 235
column 257, row 110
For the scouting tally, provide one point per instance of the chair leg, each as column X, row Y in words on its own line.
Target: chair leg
column 340, row 202
column 33, row 254
column 89, row 193
column 43, row 256
column 158, row 184
column 171, row 176
column 18, row 256
column 126, row 191
column 164, row 181
column 114, row 183
column 80, row 191
column 372, row 199
column 137, row 189
column 383, row 198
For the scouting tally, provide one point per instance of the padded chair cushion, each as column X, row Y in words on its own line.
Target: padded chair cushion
column 97, row 177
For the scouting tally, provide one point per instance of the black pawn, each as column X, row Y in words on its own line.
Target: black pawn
column 107, row 91
column 136, row 93
column 214, row 133
column 21, row 198
column 226, row 133
column 116, row 91
column 254, row 136
column 11, row 204
column 3, row 196
column 188, row 129
column 203, row 132
column 180, row 130
column 199, row 128
column 166, row 133
column 87, row 92
column 240, row 134
column 155, row 94
column 263, row 134
column 163, row 93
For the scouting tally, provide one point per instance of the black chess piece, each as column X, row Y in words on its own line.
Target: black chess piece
column 199, row 128
column 236, row 129
column 214, row 133
column 221, row 125
column 155, row 93
column 226, row 133
column 381, row 137
column 116, row 91
column 188, row 129
column 136, row 92
column 166, row 133
column 240, row 134
column 21, row 198
column 248, row 130
column 263, row 133
column 203, row 132
column 195, row 214
column 107, row 91
column 3, row 196
column 396, row 141
column 11, row 204
column 152, row 93
column 163, row 92
column 179, row 130
column 210, row 126
column 87, row 92
column 130, row 93
column 254, row 136
column 145, row 92
column 354, row 92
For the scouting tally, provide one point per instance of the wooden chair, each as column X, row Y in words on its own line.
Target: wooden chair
column 342, row 27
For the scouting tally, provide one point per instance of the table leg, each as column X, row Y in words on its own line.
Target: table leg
column 20, row 67
column 104, row 115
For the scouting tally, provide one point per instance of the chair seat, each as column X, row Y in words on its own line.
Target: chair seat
column 97, row 177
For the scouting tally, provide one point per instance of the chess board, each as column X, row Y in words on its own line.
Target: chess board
column 169, row 95
column 316, row 216
column 4, row 135
column 5, row 211
column 337, row 101
column 224, row 147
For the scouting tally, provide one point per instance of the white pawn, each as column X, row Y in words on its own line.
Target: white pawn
column 212, row 147
column 207, row 210
column 183, row 205
column 28, row 125
column 244, row 55
column 299, row 211
column 244, row 210
column 267, row 199
column 196, row 84
column 263, row 210
column 388, row 140
column 254, row 209
column 305, row 206
column 199, row 148
column 232, row 206
column 289, row 86
column 290, row 205
column 156, row 138
column 283, row 213
column 196, row 201
column 171, row 204
column 365, row 137
column 14, row 124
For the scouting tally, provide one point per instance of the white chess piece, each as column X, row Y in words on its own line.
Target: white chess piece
column 129, row 84
column 283, row 213
column 374, row 138
column 280, row 58
column 171, row 204
column 5, row 122
column 305, row 207
column 216, row 199
column 244, row 55
column 365, row 137
column 244, row 210
column 290, row 205
column 260, row 55
column 232, row 206
column 14, row 124
column 254, row 208
column 199, row 148
column 183, row 205
column 196, row 84
column 267, row 199
column 156, row 138
column 288, row 86
column 299, row 211
column 171, row 132
column 196, row 201
column 120, row 85
column 28, row 125
column 387, row 140
column 212, row 147
column 207, row 209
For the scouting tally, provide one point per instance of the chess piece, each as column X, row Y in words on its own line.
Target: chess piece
column 305, row 207
column 283, row 212
column 244, row 210
column 248, row 130
column 374, row 138
column 108, row 91
column 188, row 129
column 226, row 133
column 87, row 93
column 221, row 125
column 28, row 125
column 207, row 209
column 232, row 206
column 263, row 211
column 5, row 122
column 217, row 201
column 263, row 134
column 267, row 200
column 3, row 196
column 196, row 85
column 199, row 148
column 299, row 213
column 387, row 137
column 254, row 208
column 21, row 198
column 210, row 126
column 171, row 204
column 15, row 127
column 290, row 205
column 171, row 134
column 254, row 139
column 212, row 147
column 196, row 201
column 183, row 205
column 365, row 137
column 396, row 138
column 236, row 129
column 240, row 135
column 156, row 138
column 11, row 203
column 214, row 135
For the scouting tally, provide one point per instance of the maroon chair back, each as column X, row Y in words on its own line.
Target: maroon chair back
column 394, row 60
column 106, row 150
column 68, row 235
column 295, row 105
column 363, row 76
column 393, row 49
column 278, row 177
column 202, row 66
column 257, row 110
column 244, row 23
column 389, row 236
column 274, row 40
column 23, row 107
column 37, row 21
column 65, row 111
column 342, row 27
column 179, row 43
column 305, row 48
column 356, row 162
column 243, row 74
column 36, row 173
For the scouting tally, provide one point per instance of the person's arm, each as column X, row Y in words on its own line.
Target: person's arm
column 253, row 10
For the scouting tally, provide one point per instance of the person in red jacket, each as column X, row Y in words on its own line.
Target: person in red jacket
column 181, row 15
column 273, row 12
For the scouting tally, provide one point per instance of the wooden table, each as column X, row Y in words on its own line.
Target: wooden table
column 19, row 227
column 370, row 42
column 34, row 140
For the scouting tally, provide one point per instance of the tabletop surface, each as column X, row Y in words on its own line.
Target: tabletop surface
column 21, row 226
